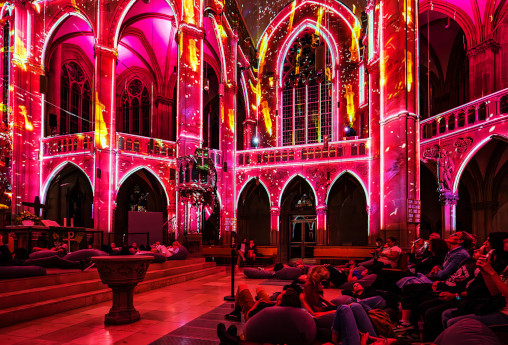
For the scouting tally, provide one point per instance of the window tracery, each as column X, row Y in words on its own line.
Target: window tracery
column 307, row 91
column 135, row 109
column 75, row 100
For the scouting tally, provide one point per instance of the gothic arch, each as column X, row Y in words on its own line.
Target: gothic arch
column 290, row 180
column 253, row 212
column 347, row 212
column 133, row 171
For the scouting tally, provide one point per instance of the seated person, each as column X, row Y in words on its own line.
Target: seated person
column 160, row 248
column 251, row 252
column 241, row 249
column 388, row 257
column 133, row 249
column 312, row 298
column 5, row 254
column 245, row 304
column 175, row 248
column 348, row 322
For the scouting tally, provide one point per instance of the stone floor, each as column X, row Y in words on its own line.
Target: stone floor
column 162, row 311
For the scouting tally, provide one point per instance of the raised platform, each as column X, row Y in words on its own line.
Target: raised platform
column 61, row 290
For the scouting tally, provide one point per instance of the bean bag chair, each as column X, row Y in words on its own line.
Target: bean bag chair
column 42, row 254
column 84, row 254
column 289, row 273
column 257, row 274
column 181, row 255
column 53, row 261
column 157, row 257
column 467, row 332
column 368, row 280
column 281, row 325
column 11, row 272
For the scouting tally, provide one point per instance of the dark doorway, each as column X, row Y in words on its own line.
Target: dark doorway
column 141, row 192
column 70, row 196
column 431, row 207
column 298, row 220
column 347, row 217
column 254, row 213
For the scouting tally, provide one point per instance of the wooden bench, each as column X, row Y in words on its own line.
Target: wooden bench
column 223, row 253
column 331, row 254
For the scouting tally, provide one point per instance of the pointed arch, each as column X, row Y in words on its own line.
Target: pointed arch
column 56, row 26
column 136, row 169
column 307, row 24
column 245, row 185
column 470, row 155
column 58, row 169
column 288, row 182
column 356, row 177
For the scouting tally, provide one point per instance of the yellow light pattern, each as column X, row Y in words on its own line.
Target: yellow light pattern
column 193, row 55
column 231, row 120
column 357, row 30
column 298, row 55
column 292, row 17
column 409, row 70
column 350, row 108
column 188, row 14
column 221, row 114
column 222, row 31
column 28, row 124
column 20, row 53
column 407, row 14
column 267, row 118
column 101, row 130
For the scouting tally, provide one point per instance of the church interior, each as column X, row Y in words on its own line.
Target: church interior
column 182, row 153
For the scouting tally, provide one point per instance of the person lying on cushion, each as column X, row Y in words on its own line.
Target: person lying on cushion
column 245, row 304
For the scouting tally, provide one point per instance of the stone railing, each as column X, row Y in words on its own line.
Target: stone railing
column 136, row 144
column 481, row 110
column 69, row 143
column 303, row 153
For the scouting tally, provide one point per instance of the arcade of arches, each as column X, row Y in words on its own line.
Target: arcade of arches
column 310, row 124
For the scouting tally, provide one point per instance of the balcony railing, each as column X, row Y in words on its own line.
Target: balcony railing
column 136, row 144
column 69, row 143
column 481, row 110
column 314, row 152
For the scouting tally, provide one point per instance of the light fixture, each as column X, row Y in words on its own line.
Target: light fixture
column 254, row 141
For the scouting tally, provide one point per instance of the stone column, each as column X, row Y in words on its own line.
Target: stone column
column 448, row 212
column 274, row 225
column 105, row 134
column 483, row 73
column 399, row 141
column 321, row 226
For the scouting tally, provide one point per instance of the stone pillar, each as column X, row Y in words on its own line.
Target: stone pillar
column 482, row 71
column 399, row 127
column 448, row 212
column 105, row 133
column 274, row 225
column 190, row 104
column 25, row 109
column 321, row 227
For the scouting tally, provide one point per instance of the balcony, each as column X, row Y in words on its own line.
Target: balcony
column 304, row 153
column 479, row 111
column 68, row 144
column 138, row 145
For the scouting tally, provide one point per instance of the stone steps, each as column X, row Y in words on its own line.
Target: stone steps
column 68, row 292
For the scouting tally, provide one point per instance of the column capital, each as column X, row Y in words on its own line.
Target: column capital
column 105, row 51
column 191, row 30
column 483, row 46
column 321, row 210
column 447, row 197
column 275, row 211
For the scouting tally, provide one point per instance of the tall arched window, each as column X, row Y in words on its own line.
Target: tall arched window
column 75, row 100
column 135, row 109
column 5, row 73
column 307, row 92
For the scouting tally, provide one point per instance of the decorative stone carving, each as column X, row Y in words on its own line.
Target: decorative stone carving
column 462, row 144
column 431, row 152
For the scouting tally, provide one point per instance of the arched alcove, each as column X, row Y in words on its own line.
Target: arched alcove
column 141, row 206
column 431, row 207
column 347, row 218
column 254, row 213
column 69, row 196
column 298, row 222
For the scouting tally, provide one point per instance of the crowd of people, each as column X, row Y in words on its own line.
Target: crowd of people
column 444, row 291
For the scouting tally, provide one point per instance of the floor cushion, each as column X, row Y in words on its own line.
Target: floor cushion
column 181, row 255
column 467, row 332
column 281, row 325
column 368, row 280
column 42, row 254
column 10, row 272
column 289, row 273
column 84, row 254
column 257, row 274
column 157, row 257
